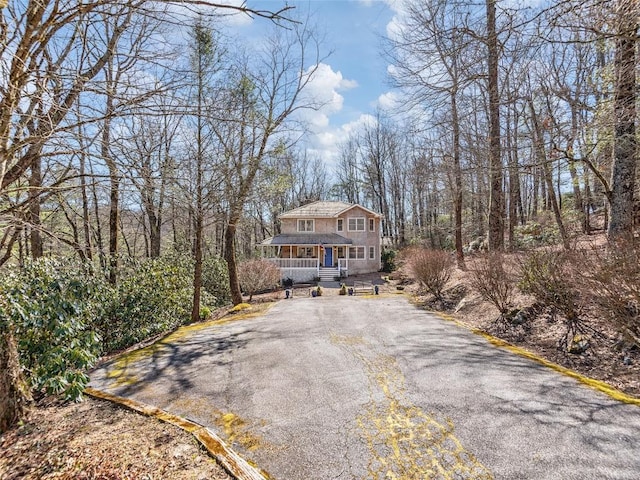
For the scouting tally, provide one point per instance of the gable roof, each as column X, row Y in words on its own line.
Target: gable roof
column 324, row 209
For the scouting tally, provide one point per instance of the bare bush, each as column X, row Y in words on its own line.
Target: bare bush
column 432, row 268
column 550, row 276
column 495, row 283
column 613, row 282
column 258, row 276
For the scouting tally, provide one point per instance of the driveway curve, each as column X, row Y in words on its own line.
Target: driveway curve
column 373, row 388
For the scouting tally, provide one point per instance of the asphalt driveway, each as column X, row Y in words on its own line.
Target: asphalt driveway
column 371, row 388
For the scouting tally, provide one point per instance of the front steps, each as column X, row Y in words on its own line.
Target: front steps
column 328, row 274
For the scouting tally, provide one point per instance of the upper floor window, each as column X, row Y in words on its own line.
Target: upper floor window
column 305, row 226
column 356, row 224
column 340, row 225
column 372, row 225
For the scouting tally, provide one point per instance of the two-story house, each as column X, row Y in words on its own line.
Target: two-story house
column 326, row 240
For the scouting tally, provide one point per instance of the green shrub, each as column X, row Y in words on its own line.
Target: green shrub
column 205, row 312
column 153, row 296
column 215, row 280
column 534, row 234
column 388, row 261
column 50, row 304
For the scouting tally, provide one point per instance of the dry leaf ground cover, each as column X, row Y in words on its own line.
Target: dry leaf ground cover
column 98, row 440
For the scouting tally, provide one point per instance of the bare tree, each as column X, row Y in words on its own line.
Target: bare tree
column 496, row 196
column 623, row 174
column 349, row 181
column 430, row 63
column 50, row 53
column 258, row 102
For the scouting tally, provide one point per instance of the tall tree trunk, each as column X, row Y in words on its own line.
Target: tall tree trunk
column 577, row 195
column 114, row 224
column 535, row 193
column 114, row 175
column 575, row 179
column 457, row 173
column 86, row 226
column 588, row 201
column 496, row 196
column 15, row 396
column 154, row 236
column 624, row 163
column 35, row 187
column 515, row 202
column 230, row 257
column 96, row 213
column 197, row 269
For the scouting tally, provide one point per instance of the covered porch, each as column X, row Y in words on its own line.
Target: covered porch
column 307, row 257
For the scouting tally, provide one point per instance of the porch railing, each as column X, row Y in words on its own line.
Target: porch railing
column 295, row 262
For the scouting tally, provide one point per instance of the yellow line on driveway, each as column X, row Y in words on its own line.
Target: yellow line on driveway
column 591, row 382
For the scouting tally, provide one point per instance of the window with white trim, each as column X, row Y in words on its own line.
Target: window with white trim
column 356, row 224
column 356, row 253
column 341, row 252
column 372, row 225
column 372, row 253
column 305, row 225
column 340, row 225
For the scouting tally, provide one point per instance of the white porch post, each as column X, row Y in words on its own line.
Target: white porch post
column 346, row 258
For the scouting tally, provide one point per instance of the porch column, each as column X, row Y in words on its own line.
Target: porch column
column 346, row 258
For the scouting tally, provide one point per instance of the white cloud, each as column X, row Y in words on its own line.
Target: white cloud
column 392, row 4
column 323, row 90
column 326, row 143
column 396, row 24
column 389, row 101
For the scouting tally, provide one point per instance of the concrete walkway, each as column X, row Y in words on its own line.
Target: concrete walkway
column 341, row 387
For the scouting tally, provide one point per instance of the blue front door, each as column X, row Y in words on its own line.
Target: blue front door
column 328, row 257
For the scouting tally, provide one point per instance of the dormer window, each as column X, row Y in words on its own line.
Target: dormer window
column 305, row 225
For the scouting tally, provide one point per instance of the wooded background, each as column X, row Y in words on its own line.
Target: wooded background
column 120, row 139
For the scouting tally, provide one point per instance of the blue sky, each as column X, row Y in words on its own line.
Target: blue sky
column 353, row 78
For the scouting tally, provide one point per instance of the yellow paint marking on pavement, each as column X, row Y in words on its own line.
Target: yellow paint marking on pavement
column 238, row 467
column 590, row 382
column 406, row 443
column 234, row 429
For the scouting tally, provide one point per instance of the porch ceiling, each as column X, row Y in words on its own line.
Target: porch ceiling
column 308, row 239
